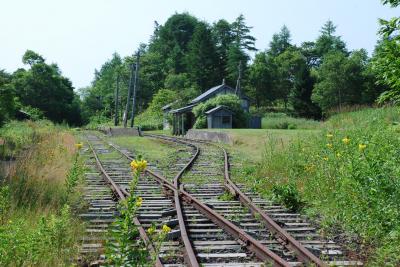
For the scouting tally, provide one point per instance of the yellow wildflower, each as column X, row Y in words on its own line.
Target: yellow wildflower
column 329, row 136
column 361, row 147
column 329, row 145
column 346, row 140
column 151, row 230
column 138, row 165
column 139, row 202
column 166, row 229
column 79, row 146
column 325, row 158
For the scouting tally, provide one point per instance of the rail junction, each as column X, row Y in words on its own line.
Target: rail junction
column 214, row 221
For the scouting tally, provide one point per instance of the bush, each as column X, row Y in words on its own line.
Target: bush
column 289, row 196
column 231, row 101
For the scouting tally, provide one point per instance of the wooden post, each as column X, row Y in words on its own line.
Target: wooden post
column 183, row 124
column 135, row 88
column 116, row 115
column 128, row 98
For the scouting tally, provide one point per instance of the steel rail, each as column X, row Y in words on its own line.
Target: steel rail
column 253, row 245
column 303, row 254
column 121, row 193
column 189, row 255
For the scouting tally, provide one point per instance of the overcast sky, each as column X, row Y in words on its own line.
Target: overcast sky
column 81, row 35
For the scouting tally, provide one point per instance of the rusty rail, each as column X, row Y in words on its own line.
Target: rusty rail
column 253, row 245
column 121, row 193
column 303, row 254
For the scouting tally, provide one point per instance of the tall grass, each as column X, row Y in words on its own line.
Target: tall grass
column 36, row 226
column 349, row 174
column 283, row 121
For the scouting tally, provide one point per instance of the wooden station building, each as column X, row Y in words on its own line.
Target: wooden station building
column 218, row 117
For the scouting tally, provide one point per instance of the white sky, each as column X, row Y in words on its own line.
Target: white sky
column 81, row 35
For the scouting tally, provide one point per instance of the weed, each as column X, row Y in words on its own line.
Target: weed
column 125, row 247
column 226, row 196
column 5, row 204
column 289, row 196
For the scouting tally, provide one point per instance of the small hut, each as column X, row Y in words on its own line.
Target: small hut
column 219, row 117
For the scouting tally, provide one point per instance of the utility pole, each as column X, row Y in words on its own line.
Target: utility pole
column 116, row 115
column 237, row 91
column 135, row 88
column 128, row 98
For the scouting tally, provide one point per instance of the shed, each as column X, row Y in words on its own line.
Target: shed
column 219, row 117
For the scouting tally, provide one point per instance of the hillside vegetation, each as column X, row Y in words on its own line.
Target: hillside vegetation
column 347, row 175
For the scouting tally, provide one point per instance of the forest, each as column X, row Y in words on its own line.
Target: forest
column 186, row 56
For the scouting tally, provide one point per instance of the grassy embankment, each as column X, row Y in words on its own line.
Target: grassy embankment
column 37, row 187
column 345, row 172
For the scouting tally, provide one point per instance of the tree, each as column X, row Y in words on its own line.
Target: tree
column 261, row 80
column 342, row 80
column 241, row 34
column 242, row 43
column 30, row 57
column 43, row 87
column 328, row 42
column 172, row 40
column 7, row 97
column 202, row 59
column 223, row 39
column 386, row 60
column 280, row 42
column 303, row 85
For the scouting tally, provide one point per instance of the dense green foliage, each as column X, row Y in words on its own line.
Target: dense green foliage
column 231, row 101
column 184, row 55
column 41, row 87
column 386, row 61
column 152, row 117
column 189, row 56
column 348, row 173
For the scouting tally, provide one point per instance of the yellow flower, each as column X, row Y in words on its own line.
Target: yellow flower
column 329, row 145
column 166, row 229
column 325, row 158
column 361, row 147
column 139, row 202
column 138, row 165
column 329, row 136
column 151, row 230
column 79, row 146
column 346, row 140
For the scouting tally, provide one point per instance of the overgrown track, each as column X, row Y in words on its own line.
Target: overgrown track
column 157, row 208
column 287, row 234
column 210, row 227
column 106, row 188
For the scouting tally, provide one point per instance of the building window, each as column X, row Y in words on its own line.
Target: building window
column 226, row 119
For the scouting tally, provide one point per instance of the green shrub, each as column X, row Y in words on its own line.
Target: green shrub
column 289, row 196
column 231, row 101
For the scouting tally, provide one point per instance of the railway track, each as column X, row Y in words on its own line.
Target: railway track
column 213, row 223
